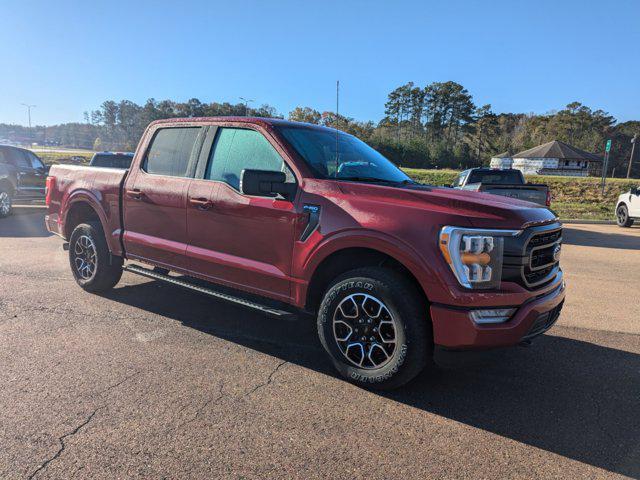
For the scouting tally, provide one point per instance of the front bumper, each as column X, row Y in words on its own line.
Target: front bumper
column 453, row 327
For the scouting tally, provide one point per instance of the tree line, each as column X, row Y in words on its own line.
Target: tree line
column 435, row 126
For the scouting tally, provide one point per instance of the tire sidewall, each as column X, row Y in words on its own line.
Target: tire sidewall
column 625, row 223
column 85, row 229
column 3, row 215
column 333, row 297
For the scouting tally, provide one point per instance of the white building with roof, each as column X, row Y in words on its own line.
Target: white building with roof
column 556, row 158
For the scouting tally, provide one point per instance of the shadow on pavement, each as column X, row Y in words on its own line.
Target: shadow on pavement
column 565, row 396
column 574, row 236
column 24, row 222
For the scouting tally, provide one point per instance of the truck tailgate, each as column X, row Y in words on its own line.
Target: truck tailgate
column 529, row 193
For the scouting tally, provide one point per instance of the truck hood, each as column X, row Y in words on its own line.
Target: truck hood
column 481, row 210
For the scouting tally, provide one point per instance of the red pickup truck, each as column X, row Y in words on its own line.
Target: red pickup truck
column 281, row 217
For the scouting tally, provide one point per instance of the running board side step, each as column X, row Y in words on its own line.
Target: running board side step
column 254, row 305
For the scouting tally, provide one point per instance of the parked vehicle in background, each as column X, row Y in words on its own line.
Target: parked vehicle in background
column 628, row 207
column 290, row 216
column 22, row 177
column 506, row 182
column 112, row 159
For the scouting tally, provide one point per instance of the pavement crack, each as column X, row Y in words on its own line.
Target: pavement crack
column 63, row 444
column 205, row 405
column 117, row 384
column 269, row 379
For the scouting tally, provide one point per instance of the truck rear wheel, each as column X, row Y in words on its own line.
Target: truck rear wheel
column 94, row 269
column 6, row 202
column 374, row 326
column 622, row 216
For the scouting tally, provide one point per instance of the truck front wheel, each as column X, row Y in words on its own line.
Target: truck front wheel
column 94, row 269
column 374, row 326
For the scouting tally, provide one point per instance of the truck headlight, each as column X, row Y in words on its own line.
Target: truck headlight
column 474, row 255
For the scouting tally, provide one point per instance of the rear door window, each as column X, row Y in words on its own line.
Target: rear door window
column 236, row 149
column 19, row 159
column 170, row 151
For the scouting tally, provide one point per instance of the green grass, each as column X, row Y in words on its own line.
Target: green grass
column 573, row 198
column 75, row 157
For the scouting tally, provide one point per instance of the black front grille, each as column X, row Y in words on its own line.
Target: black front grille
column 542, row 263
column 529, row 258
column 545, row 238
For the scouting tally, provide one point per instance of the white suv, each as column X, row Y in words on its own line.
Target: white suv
column 628, row 207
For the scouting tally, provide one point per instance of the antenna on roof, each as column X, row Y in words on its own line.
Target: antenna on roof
column 336, row 125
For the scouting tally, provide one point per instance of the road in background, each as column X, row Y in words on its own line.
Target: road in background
column 154, row 381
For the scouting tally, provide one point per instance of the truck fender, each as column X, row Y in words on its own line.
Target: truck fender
column 386, row 244
column 86, row 196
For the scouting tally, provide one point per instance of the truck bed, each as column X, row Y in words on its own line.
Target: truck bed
column 100, row 187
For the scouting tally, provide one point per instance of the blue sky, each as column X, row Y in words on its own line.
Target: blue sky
column 521, row 56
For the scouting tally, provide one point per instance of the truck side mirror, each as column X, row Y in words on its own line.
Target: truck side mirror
column 265, row 183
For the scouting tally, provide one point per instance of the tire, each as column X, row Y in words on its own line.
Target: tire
column 6, row 202
column 622, row 216
column 94, row 269
column 391, row 310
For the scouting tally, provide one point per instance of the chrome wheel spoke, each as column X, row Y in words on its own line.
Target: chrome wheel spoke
column 85, row 257
column 364, row 330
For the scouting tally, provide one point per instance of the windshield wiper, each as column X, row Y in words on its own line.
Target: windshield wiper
column 408, row 182
column 379, row 180
column 365, row 179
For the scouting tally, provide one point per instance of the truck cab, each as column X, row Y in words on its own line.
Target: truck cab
column 287, row 217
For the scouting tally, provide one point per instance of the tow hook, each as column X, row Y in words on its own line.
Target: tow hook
column 525, row 343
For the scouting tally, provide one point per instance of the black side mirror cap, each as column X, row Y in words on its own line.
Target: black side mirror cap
column 265, row 183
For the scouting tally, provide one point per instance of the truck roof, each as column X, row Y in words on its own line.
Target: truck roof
column 264, row 121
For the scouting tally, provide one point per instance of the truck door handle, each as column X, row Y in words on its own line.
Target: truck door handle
column 201, row 203
column 135, row 193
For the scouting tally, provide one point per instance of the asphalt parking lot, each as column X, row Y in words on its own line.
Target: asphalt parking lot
column 156, row 382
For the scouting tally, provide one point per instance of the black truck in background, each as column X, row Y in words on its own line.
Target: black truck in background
column 22, row 177
column 507, row 182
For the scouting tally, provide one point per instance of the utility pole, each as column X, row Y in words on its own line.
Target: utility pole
column 29, row 107
column 605, row 165
column 633, row 149
column 246, row 105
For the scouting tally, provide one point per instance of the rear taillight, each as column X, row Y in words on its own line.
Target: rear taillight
column 548, row 202
column 49, row 186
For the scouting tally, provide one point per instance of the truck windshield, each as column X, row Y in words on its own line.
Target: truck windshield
column 355, row 159
column 495, row 177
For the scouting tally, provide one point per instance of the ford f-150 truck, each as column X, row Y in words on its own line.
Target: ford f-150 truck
column 506, row 182
column 284, row 217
